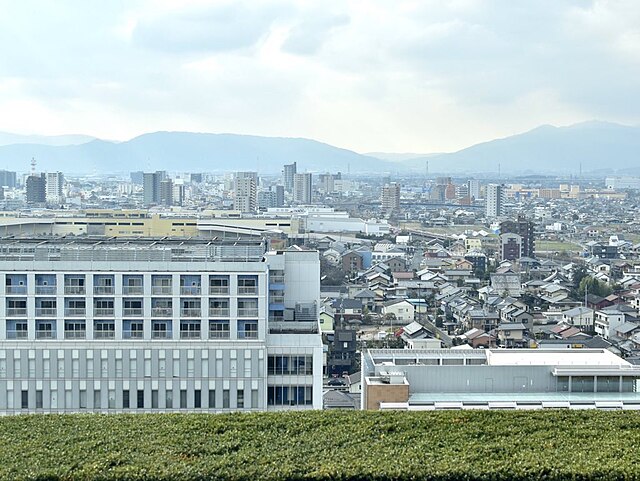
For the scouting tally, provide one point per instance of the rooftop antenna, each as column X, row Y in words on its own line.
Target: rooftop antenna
column 33, row 166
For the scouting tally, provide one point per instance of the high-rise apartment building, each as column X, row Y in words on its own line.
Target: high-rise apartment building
column 166, row 192
column 494, row 199
column 7, row 179
column 523, row 228
column 155, row 326
column 53, row 189
column 245, row 186
column 302, row 188
column 151, row 186
column 36, row 192
column 474, row 189
column 289, row 171
column 390, row 198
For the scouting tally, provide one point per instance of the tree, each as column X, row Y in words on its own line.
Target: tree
column 591, row 285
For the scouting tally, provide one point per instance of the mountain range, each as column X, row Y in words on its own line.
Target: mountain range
column 588, row 146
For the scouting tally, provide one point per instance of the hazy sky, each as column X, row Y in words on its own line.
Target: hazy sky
column 403, row 76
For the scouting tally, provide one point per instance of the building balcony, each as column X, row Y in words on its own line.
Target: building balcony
column 247, row 291
column 103, row 290
column 17, row 334
column 276, row 280
column 190, row 290
column 42, row 334
column 219, row 290
column 75, row 334
column 16, row 312
column 160, row 335
column 247, row 334
column 46, row 312
column 276, row 299
column 131, row 312
column 248, row 312
column 74, row 290
column 219, row 312
column 161, row 312
column 191, row 312
column 104, row 334
column 132, row 290
column 46, row 290
column 189, row 334
column 132, row 334
column 75, row 312
column 161, row 290
column 16, row 290
column 103, row 312
column 219, row 334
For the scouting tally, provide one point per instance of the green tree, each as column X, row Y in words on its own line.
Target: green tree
column 594, row 286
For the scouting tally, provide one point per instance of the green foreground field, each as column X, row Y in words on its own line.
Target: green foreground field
column 323, row 445
column 557, row 246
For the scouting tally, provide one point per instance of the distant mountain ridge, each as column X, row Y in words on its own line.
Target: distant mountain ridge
column 585, row 146
column 7, row 138
column 188, row 151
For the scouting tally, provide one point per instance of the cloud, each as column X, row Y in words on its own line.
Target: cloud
column 309, row 35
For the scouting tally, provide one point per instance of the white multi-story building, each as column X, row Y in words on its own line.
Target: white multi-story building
column 302, row 188
column 53, row 187
column 494, row 201
column 157, row 325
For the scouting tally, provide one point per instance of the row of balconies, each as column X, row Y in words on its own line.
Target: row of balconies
column 155, row 312
column 129, row 334
column 131, row 290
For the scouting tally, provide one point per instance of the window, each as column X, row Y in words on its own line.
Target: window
column 290, row 365
column 219, row 307
column 104, row 329
column 97, row 400
column 131, row 307
column 225, row 399
column 197, row 398
column 240, row 398
column 247, row 285
column 247, row 329
column 219, row 329
column 247, row 307
column 183, row 398
column 189, row 329
column 212, row 398
column 608, row 384
column 218, row 285
column 254, row 398
column 169, row 399
column 133, row 329
column 140, row 396
column 161, row 329
column 24, row 401
column 154, row 399
column 289, row 395
column 83, row 399
column 582, row 384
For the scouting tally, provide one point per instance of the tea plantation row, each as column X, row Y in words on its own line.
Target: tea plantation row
column 450, row 445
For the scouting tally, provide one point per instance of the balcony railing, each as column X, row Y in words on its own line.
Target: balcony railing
column 132, row 290
column 189, row 334
column 162, row 311
column 42, row 334
column 13, row 334
column 75, row 312
column 46, row 290
column 247, row 291
column 217, row 290
column 46, row 312
column 16, row 290
column 104, row 334
column 16, row 311
column 75, row 334
column 190, row 290
column 102, row 290
column 247, row 334
column 103, row 312
column 74, row 290
column 277, row 299
column 160, row 334
column 219, row 335
column 276, row 279
column 219, row 312
column 132, row 334
column 247, row 312
column 191, row 312
column 132, row 312
column 161, row 290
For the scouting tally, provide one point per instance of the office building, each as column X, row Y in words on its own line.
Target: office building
column 523, row 228
column 166, row 192
column 195, row 178
column 290, row 171
column 36, row 192
column 151, row 186
column 7, row 179
column 416, row 379
column 137, row 177
column 155, row 325
column 390, row 197
column 494, row 199
column 245, row 186
column 302, row 188
column 279, row 191
column 53, row 188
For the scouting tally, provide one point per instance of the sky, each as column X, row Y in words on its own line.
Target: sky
column 388, row 76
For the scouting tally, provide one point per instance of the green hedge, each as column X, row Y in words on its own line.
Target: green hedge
column 342, row 445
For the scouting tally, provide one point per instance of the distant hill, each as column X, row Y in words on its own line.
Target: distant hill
column 595, row 145
column 7, row 138
column 397, row 157
column 185, row 151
